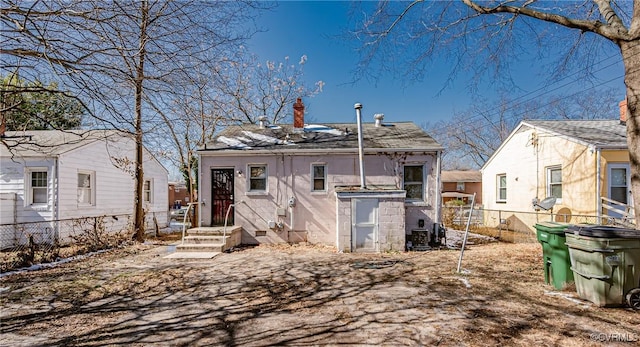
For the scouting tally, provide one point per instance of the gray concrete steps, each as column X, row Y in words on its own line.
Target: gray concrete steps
column 210, row 239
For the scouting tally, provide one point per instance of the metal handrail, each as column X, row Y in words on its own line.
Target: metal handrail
column 226, row 219
column 184, row 219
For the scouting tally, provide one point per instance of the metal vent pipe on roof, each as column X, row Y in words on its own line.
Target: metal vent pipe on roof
column 262, row 121
column 358, row 107
column 378, row 118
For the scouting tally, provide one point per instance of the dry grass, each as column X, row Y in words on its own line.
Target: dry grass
column 304, row 295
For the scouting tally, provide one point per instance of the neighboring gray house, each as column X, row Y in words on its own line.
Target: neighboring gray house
column 301, row 182
column 52, row 175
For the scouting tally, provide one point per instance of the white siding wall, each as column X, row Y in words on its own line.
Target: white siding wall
column 159, row 206
column 114, row 186
column 526, row 171
column 12, row 180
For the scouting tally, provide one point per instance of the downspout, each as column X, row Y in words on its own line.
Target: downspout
column 198, row 192
column 56, row 199
column 598, row 184
column 438, row 190
column 358, row 107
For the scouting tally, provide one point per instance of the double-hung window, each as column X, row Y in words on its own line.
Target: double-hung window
column 86, row 188
column 501, row 194
column 319, row 177
column 414, row 182
column 257, row 178
column 147, row 191
column 554, row 182
column 38, row 188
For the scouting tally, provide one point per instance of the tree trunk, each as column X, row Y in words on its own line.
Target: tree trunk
column 631, row 58
column 139, row 172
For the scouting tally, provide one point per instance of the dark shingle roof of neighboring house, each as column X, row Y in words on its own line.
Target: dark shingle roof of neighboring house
column 600, row 133
column 461, row 176
column 334, row 136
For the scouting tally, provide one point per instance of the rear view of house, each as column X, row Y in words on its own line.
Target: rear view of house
column 302, row 183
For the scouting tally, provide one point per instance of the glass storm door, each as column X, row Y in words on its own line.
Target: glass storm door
column 222, row 196
column 364, row 225
column 619, row 185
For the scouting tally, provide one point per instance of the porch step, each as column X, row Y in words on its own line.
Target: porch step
column 210, row 239
column 213, row 230
column 202, row 247
column 204, row 239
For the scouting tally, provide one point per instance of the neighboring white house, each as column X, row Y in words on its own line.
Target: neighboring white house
column 58, row 175
column 583, row 164
column 302, row 182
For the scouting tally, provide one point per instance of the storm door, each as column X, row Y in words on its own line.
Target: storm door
column 364, row 225
column 222, row 196
column 619, row 179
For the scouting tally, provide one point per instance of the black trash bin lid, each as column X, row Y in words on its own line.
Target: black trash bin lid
column 603, row 231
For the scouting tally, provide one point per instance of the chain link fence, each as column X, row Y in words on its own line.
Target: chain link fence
column 25, row 244
column 512, row 226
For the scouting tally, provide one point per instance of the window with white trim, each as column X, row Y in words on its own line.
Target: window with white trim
column 460, row 186
column 318, row 177
column 257, row 178
column 554, row 182
column 147, row 191
column 414, row 182
column 501, row 194
column 86, row 188
column 37, row 187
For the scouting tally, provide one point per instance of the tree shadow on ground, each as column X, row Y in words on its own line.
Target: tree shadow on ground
column 284, row 298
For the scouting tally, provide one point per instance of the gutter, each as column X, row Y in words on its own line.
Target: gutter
column 438, row 189
column 234, row 153
column 598, row 185
column 56, row 198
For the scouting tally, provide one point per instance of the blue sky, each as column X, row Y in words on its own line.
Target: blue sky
column 295, row 28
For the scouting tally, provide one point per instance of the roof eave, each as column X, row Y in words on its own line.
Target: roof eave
column 230, row 152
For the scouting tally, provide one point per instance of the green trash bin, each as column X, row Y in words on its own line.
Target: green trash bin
column 555, row 254
column 606, row 264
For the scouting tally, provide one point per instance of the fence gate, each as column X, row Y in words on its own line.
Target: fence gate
column 7, row 216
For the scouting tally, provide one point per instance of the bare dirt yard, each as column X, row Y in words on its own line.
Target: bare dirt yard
column 304, row 295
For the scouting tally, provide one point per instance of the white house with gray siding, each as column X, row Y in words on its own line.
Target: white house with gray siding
column 60, row 175
column 302, row 183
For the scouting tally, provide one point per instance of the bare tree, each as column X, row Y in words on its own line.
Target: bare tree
column 121, row 57
column 486, row 37
column 487, row 125
column 236, row 89
column 256, row 89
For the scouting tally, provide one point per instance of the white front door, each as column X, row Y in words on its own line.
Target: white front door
column 364, row 225
column 619, row 178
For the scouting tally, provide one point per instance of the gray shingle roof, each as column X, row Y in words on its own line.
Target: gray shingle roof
column 390, row 136
column 40, row 143
column 601, row 133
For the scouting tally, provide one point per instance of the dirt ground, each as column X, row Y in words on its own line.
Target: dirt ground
column 304, row 295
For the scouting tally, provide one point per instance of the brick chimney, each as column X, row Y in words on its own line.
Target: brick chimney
column 298, row 114
column 623, row 111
